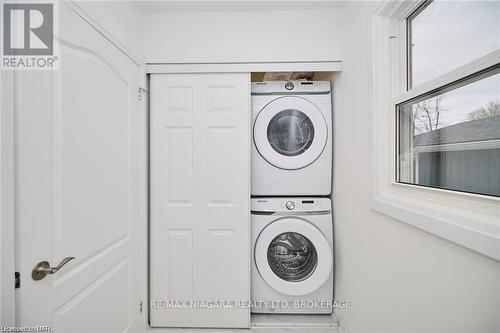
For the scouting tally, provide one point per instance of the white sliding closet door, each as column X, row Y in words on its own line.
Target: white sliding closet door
column 200, row 193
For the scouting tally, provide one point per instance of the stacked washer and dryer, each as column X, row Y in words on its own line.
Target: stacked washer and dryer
column 292, row 225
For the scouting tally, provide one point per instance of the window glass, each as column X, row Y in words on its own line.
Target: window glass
column 450, row 138
column 444, row 35
column 290, row 132
column 292, row 257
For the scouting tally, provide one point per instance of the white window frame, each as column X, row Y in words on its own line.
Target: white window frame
column 467, row 219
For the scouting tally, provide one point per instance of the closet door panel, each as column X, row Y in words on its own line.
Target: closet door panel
column 200, row 192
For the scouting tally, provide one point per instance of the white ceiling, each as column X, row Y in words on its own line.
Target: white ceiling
column 233, row 5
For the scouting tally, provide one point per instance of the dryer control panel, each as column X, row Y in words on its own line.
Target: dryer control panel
column 288, row 205
column 293, row 87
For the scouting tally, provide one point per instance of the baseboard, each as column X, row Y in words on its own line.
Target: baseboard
column 343, row 325
column 294, row 321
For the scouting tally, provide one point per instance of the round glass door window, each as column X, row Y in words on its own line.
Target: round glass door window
column 290, row 132
column 292, row 257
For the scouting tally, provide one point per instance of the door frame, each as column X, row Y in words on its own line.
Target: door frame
column 244, row 67
column 7, row 226
column 226, row 67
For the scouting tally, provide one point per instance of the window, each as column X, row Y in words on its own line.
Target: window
column 449, row 137
column 436, row 122
column 444, row 35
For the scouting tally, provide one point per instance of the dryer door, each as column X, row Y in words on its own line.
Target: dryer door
column 293, row 256
column 290, row 132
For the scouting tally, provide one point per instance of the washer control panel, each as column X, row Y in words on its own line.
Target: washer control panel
column 288, row 205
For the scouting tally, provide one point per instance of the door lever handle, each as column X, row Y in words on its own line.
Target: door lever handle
column 43, row 268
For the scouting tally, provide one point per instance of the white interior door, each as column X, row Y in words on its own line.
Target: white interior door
column 200, row 194
column 78, row 186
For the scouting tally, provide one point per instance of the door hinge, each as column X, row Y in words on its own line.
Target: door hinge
column 140, row 307
column 140, row 92
column 17, row 278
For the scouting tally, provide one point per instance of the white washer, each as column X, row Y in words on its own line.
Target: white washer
column 292, row 138
column 292, row 257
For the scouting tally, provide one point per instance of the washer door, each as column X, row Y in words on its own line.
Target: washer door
column 293, row 256
column 290, row 132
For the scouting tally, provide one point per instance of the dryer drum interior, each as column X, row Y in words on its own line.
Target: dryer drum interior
column 290, row 132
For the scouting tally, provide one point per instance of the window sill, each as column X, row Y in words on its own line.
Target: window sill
column 471, row 228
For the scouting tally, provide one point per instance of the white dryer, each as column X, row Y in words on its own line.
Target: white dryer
column 292, row 257
column 292, row 138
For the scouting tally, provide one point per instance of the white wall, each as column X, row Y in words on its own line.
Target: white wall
column 122, row 19
column 398, row 278
column 243, row 36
